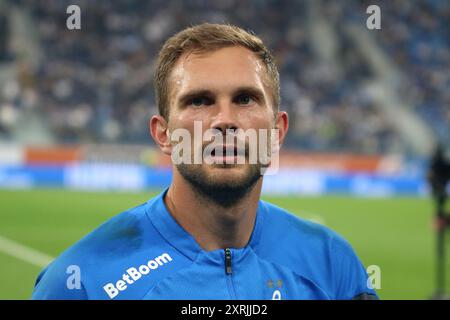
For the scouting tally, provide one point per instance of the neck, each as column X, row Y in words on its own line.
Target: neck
column 210, row 224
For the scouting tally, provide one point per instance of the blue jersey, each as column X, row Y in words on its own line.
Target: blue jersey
column 144, row 253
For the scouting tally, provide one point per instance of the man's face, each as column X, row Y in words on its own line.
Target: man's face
column 224, row 89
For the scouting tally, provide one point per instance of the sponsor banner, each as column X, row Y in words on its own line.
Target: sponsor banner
column 21, row 176
column 144, row 154
column 53, row 155
column 315, row 183
column 104, row 177
column 331, row 161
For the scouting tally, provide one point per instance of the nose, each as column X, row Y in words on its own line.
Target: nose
column 226, row 118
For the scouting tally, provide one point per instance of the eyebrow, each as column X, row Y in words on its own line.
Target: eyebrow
column 193, row 94
column 253, row 91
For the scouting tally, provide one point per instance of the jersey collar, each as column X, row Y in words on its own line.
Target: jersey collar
column 179, row 238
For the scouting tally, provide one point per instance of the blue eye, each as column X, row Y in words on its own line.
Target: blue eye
column 244, row 99
column 199, row 101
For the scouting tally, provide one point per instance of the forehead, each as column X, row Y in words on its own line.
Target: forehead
column 223, row 69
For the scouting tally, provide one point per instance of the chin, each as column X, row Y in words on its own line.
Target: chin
column 223, row 184
column 232, row 177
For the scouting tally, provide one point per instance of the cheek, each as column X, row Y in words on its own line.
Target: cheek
column 190, row 115
column 255, row 119
column 186, row 118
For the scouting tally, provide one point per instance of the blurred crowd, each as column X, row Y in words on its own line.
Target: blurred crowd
column 419, row 42
column 95, row 85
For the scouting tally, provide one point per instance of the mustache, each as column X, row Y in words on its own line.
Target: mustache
column 231, row 142
column 240, row 148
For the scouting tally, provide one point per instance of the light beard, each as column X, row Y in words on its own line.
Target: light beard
column 225, row 192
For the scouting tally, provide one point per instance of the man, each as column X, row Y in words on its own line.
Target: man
column 208, row 236
column 439, row 175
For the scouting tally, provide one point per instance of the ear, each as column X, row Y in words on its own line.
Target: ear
column 282, row 124
column 159, row 131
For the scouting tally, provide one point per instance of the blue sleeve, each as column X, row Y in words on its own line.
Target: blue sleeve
column 51, row 284
column 350, row 278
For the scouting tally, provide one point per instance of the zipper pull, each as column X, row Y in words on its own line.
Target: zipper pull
column 227, row 261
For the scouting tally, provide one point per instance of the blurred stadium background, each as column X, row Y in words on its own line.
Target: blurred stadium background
column 366, row 108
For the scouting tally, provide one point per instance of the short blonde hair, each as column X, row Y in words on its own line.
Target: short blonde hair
column 209, row 37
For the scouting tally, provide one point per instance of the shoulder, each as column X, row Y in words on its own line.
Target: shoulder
column 314, row 251
column 288, row 229
column 97, row 256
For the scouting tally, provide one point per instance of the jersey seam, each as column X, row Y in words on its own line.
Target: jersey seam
column 166, row 240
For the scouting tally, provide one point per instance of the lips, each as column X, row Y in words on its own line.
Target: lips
column 226, row 155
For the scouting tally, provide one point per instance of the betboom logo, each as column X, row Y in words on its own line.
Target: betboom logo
column 133, row 274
